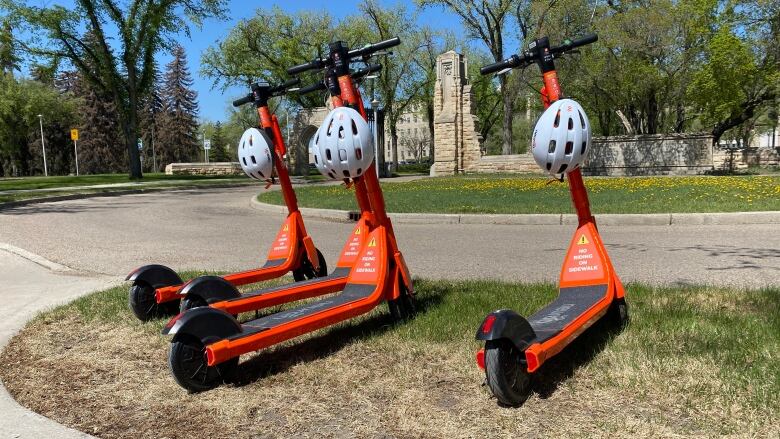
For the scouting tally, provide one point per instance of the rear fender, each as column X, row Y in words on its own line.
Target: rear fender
column 158, row 276
column 211, row 289
column 206, row 324
column 507, row 324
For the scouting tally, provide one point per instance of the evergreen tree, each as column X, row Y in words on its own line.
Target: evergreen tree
column 151, row 123
column 100, row 137
column 178, row 139
column 219, row 145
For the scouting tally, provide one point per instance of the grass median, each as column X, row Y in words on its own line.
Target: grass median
column 692, row 361
column 531, row 194
column 17, row 189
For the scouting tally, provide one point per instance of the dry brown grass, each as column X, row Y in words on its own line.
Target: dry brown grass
column 369, row 379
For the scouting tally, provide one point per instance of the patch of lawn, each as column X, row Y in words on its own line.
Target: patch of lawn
column 699, row 361
column 525, row 194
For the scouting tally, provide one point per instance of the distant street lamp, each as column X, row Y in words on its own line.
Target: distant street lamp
column 43, row 147
column 375, row 107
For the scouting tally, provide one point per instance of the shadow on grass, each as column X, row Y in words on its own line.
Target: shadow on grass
column 269, row 363
column 580, row 352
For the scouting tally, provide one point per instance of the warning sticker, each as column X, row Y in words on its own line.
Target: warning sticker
column 281, row 247
column 350, row 252
column 583, row 262
column 368, row 266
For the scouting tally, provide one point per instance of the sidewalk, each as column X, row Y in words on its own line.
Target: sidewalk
column 32, row 284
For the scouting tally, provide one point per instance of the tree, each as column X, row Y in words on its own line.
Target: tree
column 143, row 28
column 219, row 145
column 9, row 60
column 485, row 20
column 151, row 122
column 178, row 137
column 401, row 81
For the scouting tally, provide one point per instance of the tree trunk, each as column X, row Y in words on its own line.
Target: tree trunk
column 130, row 127
column 506, row 147
column 394, row 147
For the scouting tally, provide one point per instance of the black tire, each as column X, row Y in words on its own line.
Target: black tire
column 618, row 313
column 192, row 301
column 306, row 270
column 402, row 308
column 187, row 362
column 144, row 305
column 506, row 374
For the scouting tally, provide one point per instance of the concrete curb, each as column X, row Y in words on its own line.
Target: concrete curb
column 13, row 204
column 609, row 219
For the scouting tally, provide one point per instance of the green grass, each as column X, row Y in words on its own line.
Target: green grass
column 527, row 194
column 41, row 187
column 694, row 360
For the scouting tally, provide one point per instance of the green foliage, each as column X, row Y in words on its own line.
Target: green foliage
column 219, row 145
column 177, row 140
column 21, row 101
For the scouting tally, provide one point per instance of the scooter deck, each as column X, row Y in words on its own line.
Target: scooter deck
column 571, row 303
column 338, row 273
column 350, row 293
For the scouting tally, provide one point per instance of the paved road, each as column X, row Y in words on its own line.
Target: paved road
column 218, row 229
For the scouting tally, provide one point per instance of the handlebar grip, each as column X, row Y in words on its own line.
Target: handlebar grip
column 386, row 44
column 300, row 68
column 587, row 39
column 285, row 85
column 312, row 88
column 512, row 61
column 364, row 72
column 245, row 100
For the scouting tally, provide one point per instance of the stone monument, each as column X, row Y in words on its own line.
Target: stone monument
column 455, row 125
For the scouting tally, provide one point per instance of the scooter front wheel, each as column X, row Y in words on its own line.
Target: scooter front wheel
column 187, row 362
column 506, row 374
column 144, row 304
column 306, row 270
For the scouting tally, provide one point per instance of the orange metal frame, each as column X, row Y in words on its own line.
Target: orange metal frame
column 586, row 241
column 291, row 241
column 379, row 263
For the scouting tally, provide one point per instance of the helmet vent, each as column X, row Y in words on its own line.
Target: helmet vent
column 582, row 119
column 317, row 139
column 332, row 175
column 549, row 166
column 569, row 147
column 243, row 144
column 254, row 160
column 354, row 128
column 341, row 132
column 244, row 160
column 557, row 119
column 360, row 171
column 330, row 125
column 359, row 153
column 562, row 168
column 316, row 162
column 327, row 155
column 261, row 174
column 584, row 145
column 251, row 141
column 571, row 123
column 343, row 155
column 551, row 147
column 346, row 173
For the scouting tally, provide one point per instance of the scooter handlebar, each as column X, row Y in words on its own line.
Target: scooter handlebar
column 311, row 65
column 245, row 100
column 285, row 85
column 312, row 88
column 509, row 63
column 569, row 45
column 376, row 47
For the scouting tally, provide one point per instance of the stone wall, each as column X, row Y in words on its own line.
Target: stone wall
column 736, row 159
column 218, row 168
column 650, row 154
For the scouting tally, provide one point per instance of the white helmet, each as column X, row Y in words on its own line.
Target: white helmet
column 343, row 146
column 561, row 137
column 254, row 154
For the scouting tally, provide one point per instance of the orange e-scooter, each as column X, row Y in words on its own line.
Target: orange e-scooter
column 158, row 289
column 516, row 347
column 207, row 341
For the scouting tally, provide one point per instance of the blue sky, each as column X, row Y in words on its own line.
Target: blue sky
column 214, row 102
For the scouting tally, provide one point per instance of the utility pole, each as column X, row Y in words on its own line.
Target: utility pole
column 43, row 147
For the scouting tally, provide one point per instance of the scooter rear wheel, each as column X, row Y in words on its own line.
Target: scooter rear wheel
column 306, row 270
column 144, row 305
column 190, row 302
column 507, row 377
column 187, row 362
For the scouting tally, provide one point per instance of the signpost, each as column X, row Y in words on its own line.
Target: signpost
column 74, row 135
column 206, row 148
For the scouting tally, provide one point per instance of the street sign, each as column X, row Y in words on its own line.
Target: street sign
column 74, row 134
column 207, row 144
column 140, row 144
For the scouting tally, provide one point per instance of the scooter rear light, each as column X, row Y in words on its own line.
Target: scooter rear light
column 488, row 324
column 481, row 359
